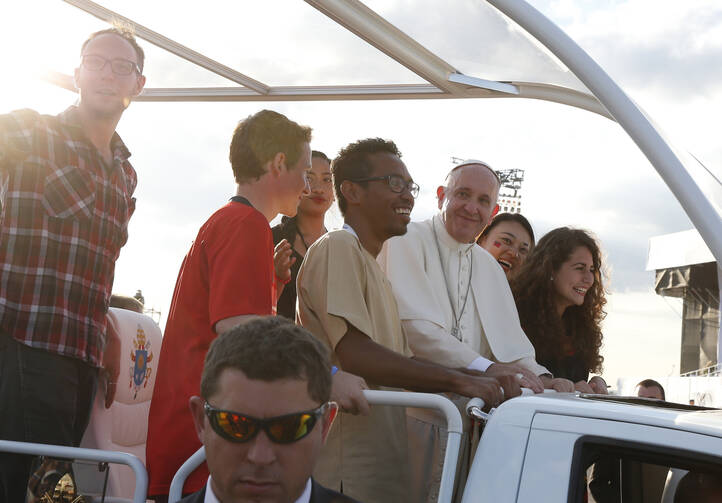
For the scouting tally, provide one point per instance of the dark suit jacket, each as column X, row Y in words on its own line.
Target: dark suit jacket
column 319, row 494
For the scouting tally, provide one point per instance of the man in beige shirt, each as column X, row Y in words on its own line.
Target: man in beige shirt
column 345, row 300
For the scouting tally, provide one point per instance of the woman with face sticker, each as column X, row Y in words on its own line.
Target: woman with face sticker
column 509, row 238
column 560, row 299
column 301, row 231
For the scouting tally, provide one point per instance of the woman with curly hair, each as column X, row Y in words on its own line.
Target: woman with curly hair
column 560, row 299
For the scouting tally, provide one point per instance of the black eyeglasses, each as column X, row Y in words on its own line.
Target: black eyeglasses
column 286, row 429
column 396, row 183
column 119, row 66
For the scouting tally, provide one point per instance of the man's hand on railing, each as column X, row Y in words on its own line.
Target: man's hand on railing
column 492, row 390
column 526, row 377
column 347, row 391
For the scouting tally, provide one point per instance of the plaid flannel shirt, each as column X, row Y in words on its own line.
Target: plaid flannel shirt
column 63, row 219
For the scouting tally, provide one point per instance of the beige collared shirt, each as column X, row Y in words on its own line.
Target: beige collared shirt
column 340, row 284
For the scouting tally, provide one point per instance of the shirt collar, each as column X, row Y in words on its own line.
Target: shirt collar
column 306, row 494
column 210, row 495
column 71, row 119
column 304, row 498
column 350, row 230
column 446, row 240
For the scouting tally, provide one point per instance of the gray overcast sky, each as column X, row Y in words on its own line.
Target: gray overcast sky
column 581, row 169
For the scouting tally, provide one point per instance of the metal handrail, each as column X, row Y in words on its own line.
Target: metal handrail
column 176, row 485
column 475, row 405
column 79, row 453
column 454, row 423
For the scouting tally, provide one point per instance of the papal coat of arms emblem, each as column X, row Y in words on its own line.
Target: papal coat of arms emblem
column 141, row 356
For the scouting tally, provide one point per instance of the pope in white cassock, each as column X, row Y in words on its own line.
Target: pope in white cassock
column 454, row 300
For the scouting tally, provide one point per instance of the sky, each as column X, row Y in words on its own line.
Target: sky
column 580, row 168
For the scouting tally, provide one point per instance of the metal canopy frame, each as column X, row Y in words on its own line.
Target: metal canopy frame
column 445, row 81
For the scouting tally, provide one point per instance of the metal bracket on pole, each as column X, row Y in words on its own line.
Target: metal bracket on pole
column 492, row 85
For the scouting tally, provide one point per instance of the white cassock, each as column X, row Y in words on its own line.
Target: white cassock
column 488, row 325
column 484, row 312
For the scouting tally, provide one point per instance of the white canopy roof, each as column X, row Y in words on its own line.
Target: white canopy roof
column 290, row 50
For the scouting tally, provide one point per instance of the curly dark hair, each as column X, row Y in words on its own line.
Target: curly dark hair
column 534, row 296
column 352, row 162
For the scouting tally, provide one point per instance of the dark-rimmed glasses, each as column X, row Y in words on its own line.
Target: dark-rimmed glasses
column 96, row 63
column 286, row 429
column 395, row 182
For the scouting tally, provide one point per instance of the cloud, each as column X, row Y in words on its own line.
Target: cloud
column 676, row 55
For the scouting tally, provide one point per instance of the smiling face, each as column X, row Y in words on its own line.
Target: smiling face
column 509, row 243
column 467, row 201
column 102, row 92
column 573, row 278
column 387, row 212
column 320, row 183
column 259, row 470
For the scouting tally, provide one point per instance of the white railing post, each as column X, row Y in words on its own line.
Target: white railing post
column 78, row 453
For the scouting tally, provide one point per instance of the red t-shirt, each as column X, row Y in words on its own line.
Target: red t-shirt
column 227, row 272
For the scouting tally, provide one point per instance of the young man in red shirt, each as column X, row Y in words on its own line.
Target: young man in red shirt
column 226, row 278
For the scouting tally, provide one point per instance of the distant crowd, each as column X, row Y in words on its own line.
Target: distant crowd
column 274, row 333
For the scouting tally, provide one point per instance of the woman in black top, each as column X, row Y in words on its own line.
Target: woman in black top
column 301, row 231
column 560, row 299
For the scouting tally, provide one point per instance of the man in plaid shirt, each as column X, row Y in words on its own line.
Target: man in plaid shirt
column 66, row 191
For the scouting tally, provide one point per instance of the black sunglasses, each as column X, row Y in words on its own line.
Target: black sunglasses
column 396, row 183
column 236, row 427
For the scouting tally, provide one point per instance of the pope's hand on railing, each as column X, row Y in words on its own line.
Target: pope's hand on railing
column 558, row 384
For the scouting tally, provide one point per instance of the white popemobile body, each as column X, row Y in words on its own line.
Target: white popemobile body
column 538, row 448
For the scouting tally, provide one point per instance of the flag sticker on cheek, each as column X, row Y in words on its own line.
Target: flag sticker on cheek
column 497, row 244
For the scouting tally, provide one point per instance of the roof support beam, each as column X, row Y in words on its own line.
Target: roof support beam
column 528, row 90
column 366, row 24
column 171, row 46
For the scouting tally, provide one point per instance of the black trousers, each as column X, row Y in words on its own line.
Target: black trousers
column 44, row 398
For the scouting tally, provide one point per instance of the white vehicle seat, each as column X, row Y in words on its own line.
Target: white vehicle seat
column 124, row 426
